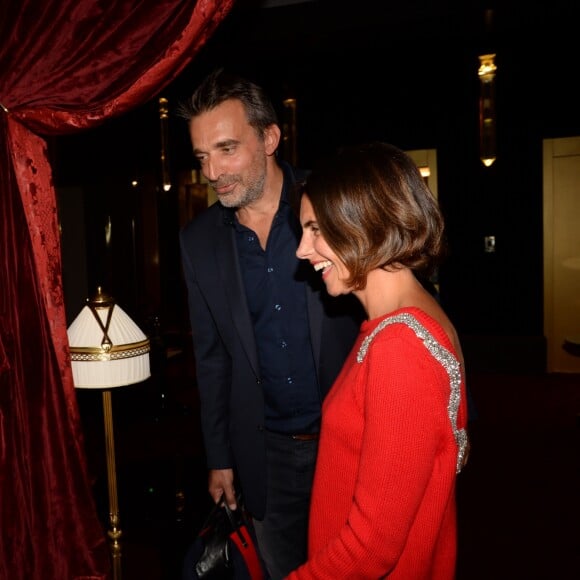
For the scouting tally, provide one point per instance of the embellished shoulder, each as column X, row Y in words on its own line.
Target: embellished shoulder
column 442, row 355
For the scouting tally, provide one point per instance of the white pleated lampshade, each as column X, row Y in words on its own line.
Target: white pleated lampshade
column 107, row 348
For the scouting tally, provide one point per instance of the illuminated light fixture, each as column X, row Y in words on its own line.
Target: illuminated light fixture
column 487, row 122
column 425, row 171
column 289, row 131
column 164, row 122
column 108, row 350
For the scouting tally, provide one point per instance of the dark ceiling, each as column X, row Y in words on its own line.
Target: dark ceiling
column 297, row 35
column 285, row 40
column 370, row 68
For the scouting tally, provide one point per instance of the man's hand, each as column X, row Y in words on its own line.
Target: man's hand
column 221, row 483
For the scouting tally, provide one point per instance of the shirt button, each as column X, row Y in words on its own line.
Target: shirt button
column 289, row 380
column 283, row 344
column 251, row 238
column 277, row 307
column 270, row 270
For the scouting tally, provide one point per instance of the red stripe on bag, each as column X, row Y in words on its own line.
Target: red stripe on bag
column 242, row 539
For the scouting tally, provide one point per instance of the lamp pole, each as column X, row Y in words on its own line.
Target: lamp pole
column 114, row 532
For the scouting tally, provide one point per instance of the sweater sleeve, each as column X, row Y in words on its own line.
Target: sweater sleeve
column 404, row 399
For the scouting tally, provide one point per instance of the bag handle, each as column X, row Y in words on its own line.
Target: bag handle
column 237, row 524
column 247, row 549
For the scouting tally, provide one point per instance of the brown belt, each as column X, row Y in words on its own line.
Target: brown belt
column 297, row 436
column 304, row 436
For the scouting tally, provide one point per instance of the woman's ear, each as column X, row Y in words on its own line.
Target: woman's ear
column 272, row 136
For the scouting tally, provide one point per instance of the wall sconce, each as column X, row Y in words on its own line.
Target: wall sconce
column 487, row 122
column 289, row 139
column 108, row 350
column 164, row 121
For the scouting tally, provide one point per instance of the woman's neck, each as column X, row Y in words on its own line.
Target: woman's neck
column 387, row 291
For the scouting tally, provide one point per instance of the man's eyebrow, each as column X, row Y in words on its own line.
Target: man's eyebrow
column 226, row 143
column 219, row 145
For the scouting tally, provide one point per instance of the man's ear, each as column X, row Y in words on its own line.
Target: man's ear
column 272, row 136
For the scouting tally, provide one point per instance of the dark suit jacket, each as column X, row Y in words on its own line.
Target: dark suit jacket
column 227, row 367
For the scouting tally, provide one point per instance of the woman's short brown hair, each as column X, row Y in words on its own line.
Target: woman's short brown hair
column 375, row 210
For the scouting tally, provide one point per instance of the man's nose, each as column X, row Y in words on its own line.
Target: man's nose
column 211, row 170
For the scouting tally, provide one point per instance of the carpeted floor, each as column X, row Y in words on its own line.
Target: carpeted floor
column 518, row 497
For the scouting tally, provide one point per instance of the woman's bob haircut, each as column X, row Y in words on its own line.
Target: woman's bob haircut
column 375, row 210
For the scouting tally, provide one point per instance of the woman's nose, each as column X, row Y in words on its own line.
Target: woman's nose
column 302, row 250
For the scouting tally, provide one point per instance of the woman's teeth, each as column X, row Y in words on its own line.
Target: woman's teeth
column 320, row 265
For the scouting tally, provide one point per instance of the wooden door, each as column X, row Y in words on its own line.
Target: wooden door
column 562, row 253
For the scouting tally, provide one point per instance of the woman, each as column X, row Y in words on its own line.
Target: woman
column 393, row 434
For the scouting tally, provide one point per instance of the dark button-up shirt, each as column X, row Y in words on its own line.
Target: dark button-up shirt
column 277, row 302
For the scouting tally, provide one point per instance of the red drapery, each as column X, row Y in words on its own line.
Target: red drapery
column 65, row 65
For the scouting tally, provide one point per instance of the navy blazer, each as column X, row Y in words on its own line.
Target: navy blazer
column 226, row 360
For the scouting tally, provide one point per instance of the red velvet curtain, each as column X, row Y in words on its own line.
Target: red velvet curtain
column 65, row 65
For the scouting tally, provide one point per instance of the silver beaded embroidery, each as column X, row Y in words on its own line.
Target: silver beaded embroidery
column 443, row 356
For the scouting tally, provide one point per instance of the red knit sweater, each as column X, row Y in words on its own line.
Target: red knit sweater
column 383, row 501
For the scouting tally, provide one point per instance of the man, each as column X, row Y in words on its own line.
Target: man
column 268, row 341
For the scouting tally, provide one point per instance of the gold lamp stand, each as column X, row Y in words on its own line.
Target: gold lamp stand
column 114, row 532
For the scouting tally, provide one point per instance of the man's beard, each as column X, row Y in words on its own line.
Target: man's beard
column 251, row 193
column 255, row 184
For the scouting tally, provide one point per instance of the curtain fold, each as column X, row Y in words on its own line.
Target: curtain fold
column 65, row 65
